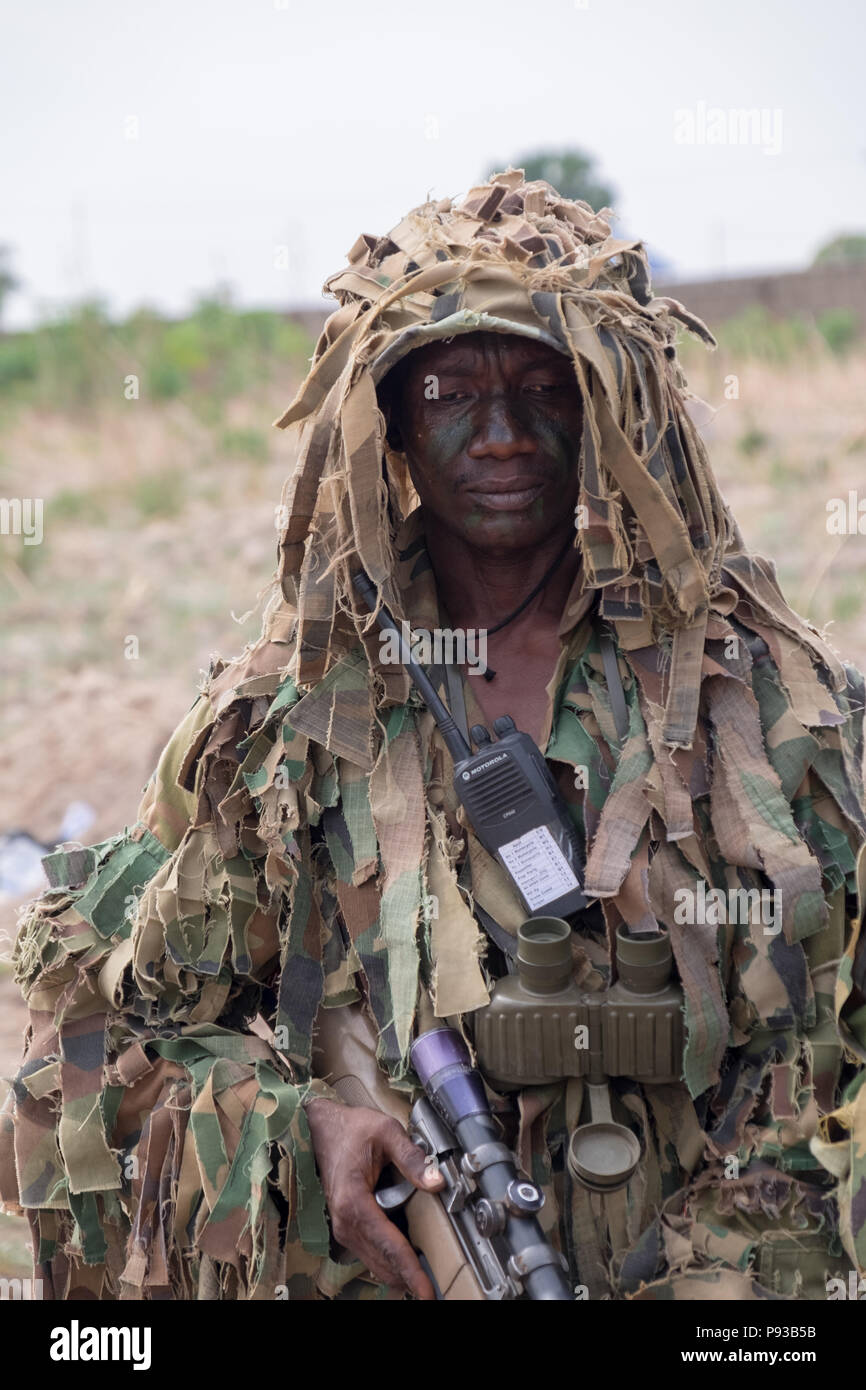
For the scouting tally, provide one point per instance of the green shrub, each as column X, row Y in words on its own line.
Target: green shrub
column 29, row 557
column 839, row 328
column 165, row 380
column 752, row 441
column 159, row 494
column 78, row 505
column 245, row 443
column 847, row 604
column 184, row 346
column 80, row 359
column 754, row 332
column 842, row 250
column 19, row 361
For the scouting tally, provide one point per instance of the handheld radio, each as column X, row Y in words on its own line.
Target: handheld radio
column 508, row 793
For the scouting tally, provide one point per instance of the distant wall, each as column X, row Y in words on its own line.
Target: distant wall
column 312, row 318
column 807, row 292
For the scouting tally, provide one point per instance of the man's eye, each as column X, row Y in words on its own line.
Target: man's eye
column 450, row 396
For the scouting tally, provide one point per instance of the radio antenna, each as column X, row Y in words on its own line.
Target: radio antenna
column 456, row 743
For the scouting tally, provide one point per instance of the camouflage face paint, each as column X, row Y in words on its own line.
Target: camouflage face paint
column 491, row 427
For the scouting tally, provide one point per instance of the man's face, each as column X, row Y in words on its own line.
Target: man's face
column 490, row 424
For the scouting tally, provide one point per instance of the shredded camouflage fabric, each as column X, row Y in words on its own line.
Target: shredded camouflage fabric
column 299, row 846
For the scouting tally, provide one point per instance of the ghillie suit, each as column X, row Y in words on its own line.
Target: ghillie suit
column 298, row 846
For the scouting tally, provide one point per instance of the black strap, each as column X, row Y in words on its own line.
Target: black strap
column 457, row 699
column 506, row 943
column 449, row 675
column 614, row 685
column 445, row 673
column 533, row 593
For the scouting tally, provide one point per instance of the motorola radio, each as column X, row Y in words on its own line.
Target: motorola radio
column 507, row 792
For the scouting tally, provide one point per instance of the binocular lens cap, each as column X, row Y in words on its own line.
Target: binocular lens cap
column 603, row 1155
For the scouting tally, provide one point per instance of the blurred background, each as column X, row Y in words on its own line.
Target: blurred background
column 178, row 180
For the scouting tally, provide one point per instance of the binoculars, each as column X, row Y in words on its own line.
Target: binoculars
column 540, row 1027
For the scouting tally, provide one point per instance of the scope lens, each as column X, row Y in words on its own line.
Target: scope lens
column 441, row 1060
column 435, row 1049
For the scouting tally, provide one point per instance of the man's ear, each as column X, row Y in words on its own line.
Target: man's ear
column 393, row 436
column 388, row 393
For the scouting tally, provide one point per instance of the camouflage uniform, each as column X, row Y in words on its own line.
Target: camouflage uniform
column 299, row 847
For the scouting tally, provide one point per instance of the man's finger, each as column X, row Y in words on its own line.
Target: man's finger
column 386, row 1252
column 410, row 1159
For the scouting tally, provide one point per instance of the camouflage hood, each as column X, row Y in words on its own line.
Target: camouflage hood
column 655, row 536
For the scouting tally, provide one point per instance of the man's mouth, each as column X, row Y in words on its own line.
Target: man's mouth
column 507, row 494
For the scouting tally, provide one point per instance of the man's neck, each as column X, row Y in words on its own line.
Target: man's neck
column 479, row 588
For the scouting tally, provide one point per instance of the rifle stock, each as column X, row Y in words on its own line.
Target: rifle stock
column 345, row 1056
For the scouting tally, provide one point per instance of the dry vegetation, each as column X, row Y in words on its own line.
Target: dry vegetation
column 794, row 439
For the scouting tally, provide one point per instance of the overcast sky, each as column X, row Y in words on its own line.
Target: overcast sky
column 151, row 150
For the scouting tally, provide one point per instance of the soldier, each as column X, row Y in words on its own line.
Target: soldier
column 495, row 430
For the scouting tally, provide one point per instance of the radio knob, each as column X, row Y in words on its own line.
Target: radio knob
column 479, row 734
column 503, row 725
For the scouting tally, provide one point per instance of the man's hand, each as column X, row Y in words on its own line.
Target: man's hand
column 352, row 1145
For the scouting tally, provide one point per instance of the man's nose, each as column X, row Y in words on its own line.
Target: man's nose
column 499, row 432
